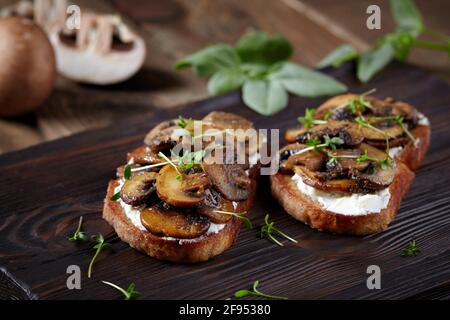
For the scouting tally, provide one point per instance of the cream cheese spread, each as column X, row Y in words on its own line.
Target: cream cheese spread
column 351, row 205
column 134, row 215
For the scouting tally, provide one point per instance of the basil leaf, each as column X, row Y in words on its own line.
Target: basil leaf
column 210, row 60
column 265, row 97
column 407, row 16
column 401, row 42
column 339, row 56
column 258, row 47
column 306, row 82
column 372, row 61
column 224, row 81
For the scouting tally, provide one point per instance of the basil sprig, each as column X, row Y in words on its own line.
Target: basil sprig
column 258, row 64
column 393, row 46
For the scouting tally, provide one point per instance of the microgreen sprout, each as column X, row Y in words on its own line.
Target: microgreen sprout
column 129, row 294
column 410, row 250
column 179, row 175
column 183, row 122
column 189, row 159
column 400, row 121
column 268, row 229
column 101, row 245
column 127, row 172
column 78, row 234
column 116, row 196
column 308, row 120
column 358, row 103
column 255, row 292
column 241, row 216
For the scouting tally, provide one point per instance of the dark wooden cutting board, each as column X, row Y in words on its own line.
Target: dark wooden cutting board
column 45, row 189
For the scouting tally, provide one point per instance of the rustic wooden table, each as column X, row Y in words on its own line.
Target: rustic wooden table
column 175, row 28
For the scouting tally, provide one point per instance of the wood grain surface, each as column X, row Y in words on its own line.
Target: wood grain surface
column 175, row 28
column 45, row 189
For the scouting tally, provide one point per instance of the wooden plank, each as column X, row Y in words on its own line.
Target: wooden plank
column 46, row 188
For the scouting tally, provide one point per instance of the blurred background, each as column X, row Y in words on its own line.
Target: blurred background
column 172, row 29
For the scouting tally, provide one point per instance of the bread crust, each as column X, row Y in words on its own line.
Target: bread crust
column 304, row 209
column 414, row 152
column 205, row 248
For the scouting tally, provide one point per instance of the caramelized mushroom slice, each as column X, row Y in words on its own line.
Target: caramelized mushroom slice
column 196, row 182
column 230, row 179
column 225, row 120
column 170, row 189
column 162, row 220
column 332, row 104
column 390, row 132
column 375, row 177
column 349, row 132
column 137, row 190
column 215, row 202
column 335, row 185
column 346, row 161
column 313, row 160
column 357, row 178
column 143, row 156
column 291, row 134
column 164, row 136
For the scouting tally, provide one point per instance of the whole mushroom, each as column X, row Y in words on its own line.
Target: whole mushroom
column 28, row 68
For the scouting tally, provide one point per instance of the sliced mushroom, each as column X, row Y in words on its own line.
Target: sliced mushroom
column 138, row 188
column 347, row 175
column 224, row 120
column 213, row 203
column 164, row 136
column 165, row 221
column 102, row 51
column 170, row 189
column 196, row 182
column 313, row 160
column 349, row 132
column 382, row 132
column 229, row 179
column 143, row 156
column 375, row 177
column 334, row 185
column 346, row 161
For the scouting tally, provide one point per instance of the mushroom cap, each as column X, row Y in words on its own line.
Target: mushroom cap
column 88, row 64
column 27, row 71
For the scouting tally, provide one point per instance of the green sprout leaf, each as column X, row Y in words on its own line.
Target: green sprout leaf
column 241, row 216
column 116, row 196
column 268, row 230
column 128, row 294
column 127, row 172
column 101, row 245
column 411, row 249
column 308, row 120
column 255, row 292
column 78, row 234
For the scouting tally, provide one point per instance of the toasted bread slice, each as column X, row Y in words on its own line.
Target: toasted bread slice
column 305, row 209
column 187, row 251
